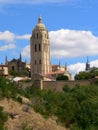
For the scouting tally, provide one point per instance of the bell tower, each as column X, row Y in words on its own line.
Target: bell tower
column 40, row 49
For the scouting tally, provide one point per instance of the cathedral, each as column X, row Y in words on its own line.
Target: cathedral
column 40, row 54
column 17, row 65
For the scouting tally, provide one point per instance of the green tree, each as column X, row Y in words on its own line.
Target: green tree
column 62, row 77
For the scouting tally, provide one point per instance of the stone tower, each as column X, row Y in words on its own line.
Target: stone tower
column 40, row 49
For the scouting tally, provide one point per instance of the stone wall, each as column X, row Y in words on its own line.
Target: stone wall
column 58, row 85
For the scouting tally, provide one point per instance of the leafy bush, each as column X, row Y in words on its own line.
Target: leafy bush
column 84, row 75
column 62, row 77
column 3, row 118
column 66, row 88
column 19, row 99
column 10, row 89
column 76, row 108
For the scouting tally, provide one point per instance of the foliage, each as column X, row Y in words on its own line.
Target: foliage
column 25, row 126
column 87, row 74
column 10, row 89
column 14, row 73
column 3, row 118
column 66, row 88
column 7, row 88
column 22, row 73
column 75, row 108
column 62, row 77
column 19, row 99
column 27, row 81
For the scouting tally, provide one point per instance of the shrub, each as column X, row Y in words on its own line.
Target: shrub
column 62, row 77
column 66, row 88
column 3, row 118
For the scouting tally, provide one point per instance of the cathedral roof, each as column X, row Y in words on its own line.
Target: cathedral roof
column 40, row 25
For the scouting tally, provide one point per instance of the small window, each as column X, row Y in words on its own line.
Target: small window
column 45, row 36
column 35, row 62
column 35, row 48
column 39, row 61
column 39, row 47
column 37, row 35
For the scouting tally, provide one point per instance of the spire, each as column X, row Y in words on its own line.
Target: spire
column 25, row 61
column 59, row 63
column 6, row 60
column 87, row 59
column 40, row 25
column 65, row 66
column 20, row 57
column 87, row 64
column 40, row 20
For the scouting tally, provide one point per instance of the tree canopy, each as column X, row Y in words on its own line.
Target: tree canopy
column 84, row 75
column 62, row 77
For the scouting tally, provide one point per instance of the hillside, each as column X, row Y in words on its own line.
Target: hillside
column 19, row 119
column 74, row 108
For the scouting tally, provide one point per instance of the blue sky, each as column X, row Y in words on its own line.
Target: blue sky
column 72, row 25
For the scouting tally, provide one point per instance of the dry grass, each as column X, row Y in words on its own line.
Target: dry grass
column 18, row 118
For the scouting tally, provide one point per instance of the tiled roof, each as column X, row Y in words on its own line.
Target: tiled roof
column 56, row 72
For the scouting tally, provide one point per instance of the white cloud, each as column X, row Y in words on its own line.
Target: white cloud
column 73, row 43
column 7, row 36
column 26, row 51
column 7, row 47
column 24, row 37
column 64, row 43
column 67, row 43
column 94, row 63
column 78, row 67
column 9, row 39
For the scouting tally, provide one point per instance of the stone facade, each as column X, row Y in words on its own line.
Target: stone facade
column 3, row 70
column 17, row 65
column 40, row 49
column 58, row 85
column 40, row 55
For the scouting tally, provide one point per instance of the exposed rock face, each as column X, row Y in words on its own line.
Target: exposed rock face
column 19, row 119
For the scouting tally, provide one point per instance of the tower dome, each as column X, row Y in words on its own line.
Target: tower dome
column 40, row 25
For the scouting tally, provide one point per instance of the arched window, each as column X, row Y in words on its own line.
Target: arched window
column 13, row 68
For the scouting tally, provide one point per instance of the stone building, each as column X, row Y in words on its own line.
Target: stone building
column 57, row 70
column 17, row 65
column 40, row 49
column 40, row 55
column 3, row 70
